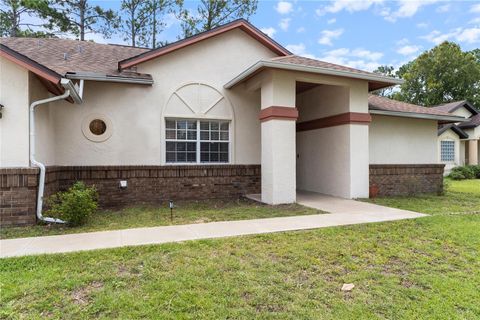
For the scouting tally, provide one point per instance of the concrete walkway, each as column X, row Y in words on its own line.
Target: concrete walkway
column 342, row 212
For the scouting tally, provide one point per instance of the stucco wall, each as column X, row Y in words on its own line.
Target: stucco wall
column 462, row 112
column 44, row 123
column 397, row 140
column 333, row 160
column 14, row 140
column 136, row 111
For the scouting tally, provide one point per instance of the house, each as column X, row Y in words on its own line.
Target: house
column 458, row 143
column 224, row 113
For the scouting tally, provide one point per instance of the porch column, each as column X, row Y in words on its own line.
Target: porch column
column 473, row 152
column 278, row 115
column 359, row 141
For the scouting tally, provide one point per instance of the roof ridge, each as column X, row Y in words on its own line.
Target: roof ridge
column 75, row 41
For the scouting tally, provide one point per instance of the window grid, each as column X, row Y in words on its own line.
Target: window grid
column 214, row 141
column 197, row 141
column 447, row 150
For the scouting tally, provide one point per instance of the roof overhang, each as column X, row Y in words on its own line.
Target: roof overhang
column 240, row 24
column 377, row 81
column 459, row 132
column 93, row 76
column 465, row 104
column 29, row 64
column 442, row 118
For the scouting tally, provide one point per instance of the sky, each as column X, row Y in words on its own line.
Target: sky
column 361, row 34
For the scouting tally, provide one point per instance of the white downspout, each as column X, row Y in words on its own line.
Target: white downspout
column 41, row 166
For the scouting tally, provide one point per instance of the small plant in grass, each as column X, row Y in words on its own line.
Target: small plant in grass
column 75, row 205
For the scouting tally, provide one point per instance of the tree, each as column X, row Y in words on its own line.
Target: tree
column 134, row 24
column 442, row 74
column 476, row 54
column 388, row 71
column 156, row 9
column 85, row 18
column 213, row 13
column 17, row 18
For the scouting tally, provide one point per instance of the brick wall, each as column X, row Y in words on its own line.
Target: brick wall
column 154, row 184
column 18, row 196
column 407, row 179
column 146, row 185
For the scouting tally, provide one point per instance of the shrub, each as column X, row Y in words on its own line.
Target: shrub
column 460, row 173
column 456, row 175
column 475, row 170
column 75, row 205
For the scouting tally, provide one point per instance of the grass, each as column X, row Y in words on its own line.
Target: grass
column 461, row 197
column 426, row 268
column 412, row 269
column 185, row 212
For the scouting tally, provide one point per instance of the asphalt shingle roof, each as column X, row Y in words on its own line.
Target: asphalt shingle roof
column 65, row 55
column 382, row 103
column 472, row 123
column 298, row 60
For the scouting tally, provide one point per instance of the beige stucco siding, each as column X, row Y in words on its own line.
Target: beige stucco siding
column 137, row 112
column 333, row 160
column 397, row 140
column 14, row 140
column 44, row 122
column 462, row 112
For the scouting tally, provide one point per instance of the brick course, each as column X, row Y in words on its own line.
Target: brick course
column 154, row 184
column 146, row 185
column 18, row 196
column 407, row 179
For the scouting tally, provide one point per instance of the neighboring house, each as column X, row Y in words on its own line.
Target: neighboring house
column 458, row 143
column 223, row 113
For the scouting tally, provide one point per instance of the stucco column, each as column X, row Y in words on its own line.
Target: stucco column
column 473, row 152
column 278, row 116
column 359, row 141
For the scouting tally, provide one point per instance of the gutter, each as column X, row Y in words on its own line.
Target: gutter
column 319, row 70
column 418, row 115
column 107, row 78
column 70, row 91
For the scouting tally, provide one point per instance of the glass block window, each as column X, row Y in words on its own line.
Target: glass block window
column 197, row 141
column 447, row 150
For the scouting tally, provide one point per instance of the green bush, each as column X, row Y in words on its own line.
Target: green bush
column 75, row 205
column 456, row 175
column 465, row 172
column 475, row 170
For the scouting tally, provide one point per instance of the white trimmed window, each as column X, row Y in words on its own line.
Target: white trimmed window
column 197, row 141
column 447, row 150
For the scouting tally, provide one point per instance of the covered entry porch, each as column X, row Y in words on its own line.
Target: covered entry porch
column 314, row 128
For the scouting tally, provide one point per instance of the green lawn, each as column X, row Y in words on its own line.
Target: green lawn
column 426, row 268
column 185, row 212
column 413, row 269
column 460, row 197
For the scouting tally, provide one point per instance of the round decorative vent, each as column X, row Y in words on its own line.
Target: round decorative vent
column 97, row 127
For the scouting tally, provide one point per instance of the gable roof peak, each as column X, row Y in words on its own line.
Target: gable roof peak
column 241, row 24
column 455, row 105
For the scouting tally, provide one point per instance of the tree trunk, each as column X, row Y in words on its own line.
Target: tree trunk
column 133, row 27
column 15, row 22
column 82, row 20
column 154, row 29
